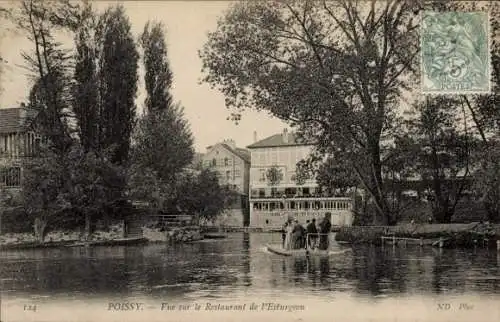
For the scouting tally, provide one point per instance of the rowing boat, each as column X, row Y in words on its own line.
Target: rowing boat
column 279, row 250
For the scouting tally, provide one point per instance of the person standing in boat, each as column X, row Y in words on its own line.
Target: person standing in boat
column 312, row 232
column 297, row 234
column 288, row 234
column 283, row 234
column 325, row 228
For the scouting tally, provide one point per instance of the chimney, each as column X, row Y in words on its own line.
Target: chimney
column 230, row 143
column 285, row 135
column 22, row 114
column 254, row 136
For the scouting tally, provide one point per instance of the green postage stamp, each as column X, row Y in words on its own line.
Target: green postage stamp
column 455, row 51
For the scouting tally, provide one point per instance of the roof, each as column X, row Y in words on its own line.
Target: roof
column 16, row 119
column 242, row 153
column 277, row 140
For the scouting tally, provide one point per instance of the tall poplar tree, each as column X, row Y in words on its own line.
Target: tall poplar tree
column 85, row 91
column 118, row 63
column 158, row 78
column 163, row 140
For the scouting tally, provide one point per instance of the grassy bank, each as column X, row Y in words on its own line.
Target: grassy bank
column 455, row 235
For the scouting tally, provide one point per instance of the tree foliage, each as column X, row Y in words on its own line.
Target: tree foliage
column 202, row 196
column 158, row 76
column 118, row 64
column 86, row 86
column 163, row 142
column 438, row 151
column 274, row 176
column 45, row 189
column 49, row 64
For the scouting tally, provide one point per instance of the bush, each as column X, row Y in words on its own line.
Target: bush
column 16, row 220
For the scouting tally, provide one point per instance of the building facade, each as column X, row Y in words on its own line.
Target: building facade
column 17, row 141
column 275, row 194
column 232, row 165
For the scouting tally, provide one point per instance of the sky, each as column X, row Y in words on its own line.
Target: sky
column 187, row 24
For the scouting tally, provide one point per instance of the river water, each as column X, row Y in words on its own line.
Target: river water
column 61, row 282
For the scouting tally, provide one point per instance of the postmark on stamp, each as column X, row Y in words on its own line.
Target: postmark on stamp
column 455, row 52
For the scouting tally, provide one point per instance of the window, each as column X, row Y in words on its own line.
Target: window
column 262, row 177
column 228, row 175
column 226, row 162
column 262, row 192
column 214, row 162
column 237, row 173
column 10, row 177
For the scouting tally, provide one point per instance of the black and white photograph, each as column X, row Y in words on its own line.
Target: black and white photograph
column 290, row 160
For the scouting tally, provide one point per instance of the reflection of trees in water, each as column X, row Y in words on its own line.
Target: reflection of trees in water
column 171, row 270
column 69, row 270
column 245, row 265
column 378, row 270
column 445, row 272
column 466, row 270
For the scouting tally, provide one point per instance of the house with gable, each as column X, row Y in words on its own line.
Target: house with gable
column 232, row 165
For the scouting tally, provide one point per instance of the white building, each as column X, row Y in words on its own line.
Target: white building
column 232, row 165
column 273, row 201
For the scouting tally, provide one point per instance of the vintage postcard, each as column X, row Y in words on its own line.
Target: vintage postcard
column 255, row 160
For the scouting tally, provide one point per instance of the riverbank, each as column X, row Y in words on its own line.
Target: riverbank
column 451, row 235
column 111, row 237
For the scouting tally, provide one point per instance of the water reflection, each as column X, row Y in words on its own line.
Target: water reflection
column 240, row 265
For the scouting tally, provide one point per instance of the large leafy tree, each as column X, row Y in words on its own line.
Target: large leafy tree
column 45, row 189
column 95, row 184
column 439, row 151
column 163, row 142
column 49, row 64
column 117, row 77
column 202, row 196
column 336, row 70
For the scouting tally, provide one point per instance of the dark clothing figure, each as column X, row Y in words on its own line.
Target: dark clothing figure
column 312, row 233
column 298, row 236
column 325, row 228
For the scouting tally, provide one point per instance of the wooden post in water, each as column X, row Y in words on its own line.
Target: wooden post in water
column 421, row 241
column 441, row 242
column 393, row 241
column 498, row 245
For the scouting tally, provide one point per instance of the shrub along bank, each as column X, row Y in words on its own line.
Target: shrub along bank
column 454, row 235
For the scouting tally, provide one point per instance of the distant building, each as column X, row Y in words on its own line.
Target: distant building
column 275, row 193
column 17, row 141
column 232, row 165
